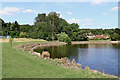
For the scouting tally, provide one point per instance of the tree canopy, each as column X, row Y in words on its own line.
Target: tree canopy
column 48, row 26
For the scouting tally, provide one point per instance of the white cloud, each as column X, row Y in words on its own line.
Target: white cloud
column 9, row 10
column 69, row 13
column 105, row 24
column 114, row 8
column 5, row 13
column 104, row 13
column 94, row 2
column 88, row 24
column 14, row 10
column 87, row 20
column 29, row 11
column 100, row 2
column 73, row 20
column 83, row 22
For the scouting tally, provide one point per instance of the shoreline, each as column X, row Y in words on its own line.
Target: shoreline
column 31, row 46
column 96, row 42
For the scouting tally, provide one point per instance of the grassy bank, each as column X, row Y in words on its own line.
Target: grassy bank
column 21, row 64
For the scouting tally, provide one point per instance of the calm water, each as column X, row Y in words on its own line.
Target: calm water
column 96, row 56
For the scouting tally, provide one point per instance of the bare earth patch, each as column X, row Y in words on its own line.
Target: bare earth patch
column 20, row 40
column 91, row 42
column 26, row 39
column 4, row 40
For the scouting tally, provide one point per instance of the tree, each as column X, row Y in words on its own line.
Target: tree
column 14, row 29
column 2, row 24
column 115, row 37
column 74, row 26
column 16, row 25
column 73, row 37
column 117, row 30
column 47, row 26
column 63, row 37
column 41, row 18
column 52, row 19
column 82, row 38
column 25, row 28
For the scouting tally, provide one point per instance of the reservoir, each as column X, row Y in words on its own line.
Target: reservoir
column 97, row 56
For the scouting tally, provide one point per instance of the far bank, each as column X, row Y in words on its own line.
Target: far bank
column 94, row 42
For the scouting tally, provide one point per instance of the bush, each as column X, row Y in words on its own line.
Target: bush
column 68, row 40
column 115, row 37
column 49, row 38
column 22, row 34
column 63, row 37
column 82, row 38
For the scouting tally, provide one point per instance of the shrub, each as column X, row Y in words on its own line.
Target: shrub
column 63, row 37
column 115, row 37
column 68, row 40
column 22, row 34
column 49, row 38
column 82, row 38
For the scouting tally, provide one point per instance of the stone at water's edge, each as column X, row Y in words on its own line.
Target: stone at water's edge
column 46, row 54
column 37, row 54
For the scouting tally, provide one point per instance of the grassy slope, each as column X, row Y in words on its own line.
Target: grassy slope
column 21, row 64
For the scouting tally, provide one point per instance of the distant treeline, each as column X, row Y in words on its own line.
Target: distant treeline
column 49, row 26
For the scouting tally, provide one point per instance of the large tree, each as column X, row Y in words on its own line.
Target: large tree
column 53, row 20
column 41, row 18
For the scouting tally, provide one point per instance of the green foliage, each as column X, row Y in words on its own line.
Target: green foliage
column 115, row 37
column 74, row 36
column 49, row 38
column 68, row 40
column 82, row 38
column 23, row 34
column 25, row 28
column 47, row 26
column 11, row 29
column 41, row 18
column 63, row 37
column 74, row 26
column 1, row 24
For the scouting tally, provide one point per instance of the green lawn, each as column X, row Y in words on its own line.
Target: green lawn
column 21, row 64
column 101, row 40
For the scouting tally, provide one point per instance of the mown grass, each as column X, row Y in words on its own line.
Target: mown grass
column 90, row 40
column 21, row 64
column 99, row 40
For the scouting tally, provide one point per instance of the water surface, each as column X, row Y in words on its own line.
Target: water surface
column 96, row 56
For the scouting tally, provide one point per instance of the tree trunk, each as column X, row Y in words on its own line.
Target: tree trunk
column 52, row 37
